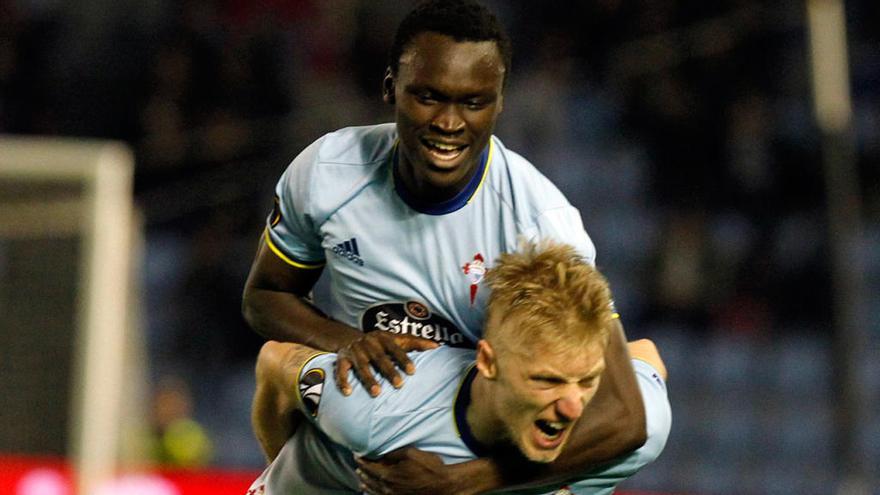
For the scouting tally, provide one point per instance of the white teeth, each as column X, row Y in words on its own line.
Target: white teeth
column 551, row 428
column 443, row 146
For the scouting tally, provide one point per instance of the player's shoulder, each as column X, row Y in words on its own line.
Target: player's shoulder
column 538, row 207
column 442, row 364
column 658, row 413
column 357, row 146
column 520, row 182
column 337, row 166
column 349, row 152
column 438, row 375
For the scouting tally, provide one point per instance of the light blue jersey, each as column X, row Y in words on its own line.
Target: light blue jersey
column 396, row 263
column 428, row 413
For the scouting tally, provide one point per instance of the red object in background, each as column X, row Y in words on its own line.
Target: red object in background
column 211, row 482
column 27, row 475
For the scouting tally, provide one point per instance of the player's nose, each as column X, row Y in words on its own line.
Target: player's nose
column 570, row 405
column 448, row 119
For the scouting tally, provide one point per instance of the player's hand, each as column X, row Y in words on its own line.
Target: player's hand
column 407, row 471
column 382, row 350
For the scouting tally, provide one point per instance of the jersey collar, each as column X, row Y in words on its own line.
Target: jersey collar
column 462, row 401
column 456, row 202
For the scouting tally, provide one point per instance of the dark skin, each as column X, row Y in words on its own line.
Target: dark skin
column 447, row 97
column 274, row 305
column 449, row 94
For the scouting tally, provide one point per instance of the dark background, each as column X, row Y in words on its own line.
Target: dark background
column 682, row 130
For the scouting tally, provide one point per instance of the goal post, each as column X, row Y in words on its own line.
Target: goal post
column 82, row 189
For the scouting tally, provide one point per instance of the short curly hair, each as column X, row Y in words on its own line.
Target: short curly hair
column 462, row 20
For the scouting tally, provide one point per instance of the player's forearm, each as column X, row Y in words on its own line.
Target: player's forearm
column 474, row 477
column 271, row 427
column 613, row 423
column 285, row 317
column 274, row 405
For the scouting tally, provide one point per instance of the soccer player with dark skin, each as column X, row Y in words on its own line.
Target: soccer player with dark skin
column 447, row 95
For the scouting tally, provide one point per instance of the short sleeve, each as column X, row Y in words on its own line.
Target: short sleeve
column 291, row 231
column 345, row 419
column 658, row 412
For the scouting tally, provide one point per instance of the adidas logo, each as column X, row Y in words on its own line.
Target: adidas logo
column 349, row 250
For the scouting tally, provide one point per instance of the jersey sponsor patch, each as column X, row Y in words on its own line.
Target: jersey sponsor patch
column 412, row 318
column 311, row 385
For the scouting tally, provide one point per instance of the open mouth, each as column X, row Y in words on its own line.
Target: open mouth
column 551, row 429
column 443, row 151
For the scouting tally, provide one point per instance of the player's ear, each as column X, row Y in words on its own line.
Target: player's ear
column 486, row 360
column 388, row 87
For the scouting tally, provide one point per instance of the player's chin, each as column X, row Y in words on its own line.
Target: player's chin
column 445, row 177
column 538, row 446
column 542, row 456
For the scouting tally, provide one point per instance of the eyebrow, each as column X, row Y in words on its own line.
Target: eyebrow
column 597, row 370
column 417, row 88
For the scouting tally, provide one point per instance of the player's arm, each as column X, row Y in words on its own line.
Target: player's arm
column 613, row 424
column 645, row 350
column 275, row 412
column 274, row 305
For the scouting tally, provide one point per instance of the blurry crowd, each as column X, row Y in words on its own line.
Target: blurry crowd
column 682, row 130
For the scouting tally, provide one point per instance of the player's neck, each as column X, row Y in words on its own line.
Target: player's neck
column 421, row 188
column 482, row 418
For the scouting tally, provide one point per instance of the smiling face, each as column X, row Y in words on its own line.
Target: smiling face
column 447, row 96
column 537, row 396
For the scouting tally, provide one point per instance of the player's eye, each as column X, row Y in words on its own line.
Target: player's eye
column 476, row 104
column 589, row 382
column 545, row 381
column 426, row 98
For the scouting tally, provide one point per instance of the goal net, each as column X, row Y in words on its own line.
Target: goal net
column 72, row 374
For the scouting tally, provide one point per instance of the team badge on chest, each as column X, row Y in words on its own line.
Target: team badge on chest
column 475, row 270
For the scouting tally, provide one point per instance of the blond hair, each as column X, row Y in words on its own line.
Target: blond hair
column 547, row 296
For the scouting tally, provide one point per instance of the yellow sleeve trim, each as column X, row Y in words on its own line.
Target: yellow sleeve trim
column 285, row 258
